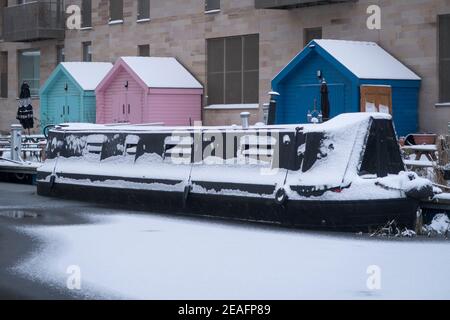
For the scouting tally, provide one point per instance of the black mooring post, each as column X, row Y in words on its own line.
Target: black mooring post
column 272, row 108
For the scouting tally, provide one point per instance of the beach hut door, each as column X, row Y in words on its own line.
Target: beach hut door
column 376, row 99
column 61, row 110
column 133, row 108
column 120, row 110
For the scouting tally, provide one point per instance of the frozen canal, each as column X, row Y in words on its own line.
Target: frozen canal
column 118, row 254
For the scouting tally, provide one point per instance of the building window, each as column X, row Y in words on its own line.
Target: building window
column 4, row 74
column 60, row 54
column 143, row 10
column 144, row 50
column 87, row 51
column 444, row 58
column 212, row 5
column 233, row 70
column 312, row 34
column 115, row 10
column 86, row 13
column 29, row 69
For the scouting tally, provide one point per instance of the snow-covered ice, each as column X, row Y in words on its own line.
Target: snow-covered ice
column 154, row 256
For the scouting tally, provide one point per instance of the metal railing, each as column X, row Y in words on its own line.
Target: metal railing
column 34, row 21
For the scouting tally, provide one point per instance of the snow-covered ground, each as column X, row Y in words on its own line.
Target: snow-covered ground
column 161, row 257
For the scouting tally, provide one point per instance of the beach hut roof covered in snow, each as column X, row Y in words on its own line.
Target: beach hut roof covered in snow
column 69, row 93
column 361, row 76
column 149, row 90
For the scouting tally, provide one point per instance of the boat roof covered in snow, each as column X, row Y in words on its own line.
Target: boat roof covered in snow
column 328, row 154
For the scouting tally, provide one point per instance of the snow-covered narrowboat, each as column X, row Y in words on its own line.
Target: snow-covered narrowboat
column 345, row 174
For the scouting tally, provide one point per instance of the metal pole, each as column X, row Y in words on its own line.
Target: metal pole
column 16, row 142
column 245, row 116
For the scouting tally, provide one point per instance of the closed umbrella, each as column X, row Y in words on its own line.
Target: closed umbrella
column 324, row 101
column 25, row 109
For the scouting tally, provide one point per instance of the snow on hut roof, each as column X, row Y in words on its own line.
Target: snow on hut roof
column 88, row 74
column 367, row 60
column 162, row 72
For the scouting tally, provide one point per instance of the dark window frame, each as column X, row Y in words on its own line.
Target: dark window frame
column 309, row 34
column 212, row 5
column 231, row 79
column 60, row 54
column 116, row 10
column 143, row 12
column 144, row 50
column 87, row 56
column 34, row 83
column 86, row 14
column 4, row 74
column 443, row 58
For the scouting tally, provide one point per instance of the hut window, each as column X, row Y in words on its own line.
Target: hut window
column 311, row 34
column 444, row 58
column 87, row 51
column 29, row 69
column 212, row 5
column 233, row 70
column 86, row 13
column 115, row 10
column 143, row 9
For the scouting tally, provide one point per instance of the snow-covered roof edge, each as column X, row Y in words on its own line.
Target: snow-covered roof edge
column 162, row 72
column 393, row 68
column 87, row 74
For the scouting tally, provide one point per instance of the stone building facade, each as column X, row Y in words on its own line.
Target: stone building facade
column 182, row 28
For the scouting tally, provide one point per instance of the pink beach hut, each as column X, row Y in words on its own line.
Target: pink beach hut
column 141, row 90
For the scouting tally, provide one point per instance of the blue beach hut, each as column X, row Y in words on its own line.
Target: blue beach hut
column 69, row 93
column 361, row 76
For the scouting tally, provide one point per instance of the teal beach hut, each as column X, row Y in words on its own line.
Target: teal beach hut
column 69, row 93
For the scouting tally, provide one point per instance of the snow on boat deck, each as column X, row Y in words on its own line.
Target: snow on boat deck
column 159, row 257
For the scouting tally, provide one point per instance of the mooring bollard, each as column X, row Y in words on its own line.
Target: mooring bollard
column 16, row 142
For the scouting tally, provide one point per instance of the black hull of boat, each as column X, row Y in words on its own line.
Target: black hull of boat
column 361, row 215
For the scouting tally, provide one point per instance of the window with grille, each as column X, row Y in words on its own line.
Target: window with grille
column 144, row 50
column 233, row 70
column 444, row 58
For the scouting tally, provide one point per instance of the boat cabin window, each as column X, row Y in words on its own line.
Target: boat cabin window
column 257, row 148
column 131, row 144
column 94, row 144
